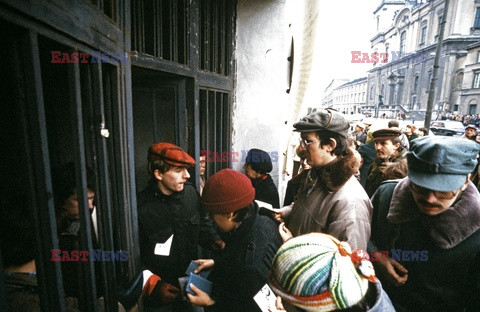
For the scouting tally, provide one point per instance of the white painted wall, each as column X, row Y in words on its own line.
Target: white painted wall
column 261, row 101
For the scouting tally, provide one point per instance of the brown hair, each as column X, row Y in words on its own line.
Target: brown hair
column 159, row 165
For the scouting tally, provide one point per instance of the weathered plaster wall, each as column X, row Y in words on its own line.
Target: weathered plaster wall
column 261, row 100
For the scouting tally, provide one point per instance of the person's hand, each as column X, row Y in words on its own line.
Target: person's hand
column 201, row 299
column 204, row 264
column 165, row 292
column 394, row 272
column 284, row 232
column 278, row 304
column 279, row 216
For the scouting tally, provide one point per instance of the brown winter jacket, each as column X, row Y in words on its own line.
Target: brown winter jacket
column 332, row 201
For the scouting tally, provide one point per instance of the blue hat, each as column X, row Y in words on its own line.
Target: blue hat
column 441, row 163
column 259, row 160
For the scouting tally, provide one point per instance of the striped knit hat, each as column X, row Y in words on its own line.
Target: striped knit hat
column 316, row 272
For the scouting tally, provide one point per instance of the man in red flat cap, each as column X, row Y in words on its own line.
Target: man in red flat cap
column 171, row 224
column 390, row 162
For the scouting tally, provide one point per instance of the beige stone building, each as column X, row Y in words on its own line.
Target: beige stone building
column 327, row 100
column 407, row 33
column 348, row 98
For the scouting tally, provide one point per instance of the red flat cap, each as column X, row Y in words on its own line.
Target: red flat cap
column 170, row 153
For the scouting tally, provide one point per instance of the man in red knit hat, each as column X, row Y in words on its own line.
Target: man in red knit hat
column 171, row 224
column 241, row 269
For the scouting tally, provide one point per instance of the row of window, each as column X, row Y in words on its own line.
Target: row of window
column 423, row 31
column 475, row 85
column 352, row 97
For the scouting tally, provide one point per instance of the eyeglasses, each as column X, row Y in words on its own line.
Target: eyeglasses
column 424, row 191
column 306, row 143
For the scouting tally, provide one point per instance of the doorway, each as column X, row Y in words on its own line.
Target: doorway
column 159, row 115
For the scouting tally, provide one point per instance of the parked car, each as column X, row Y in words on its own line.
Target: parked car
column 447, row 127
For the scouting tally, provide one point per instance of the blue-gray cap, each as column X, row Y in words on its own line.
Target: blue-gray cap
column 441, row 163
column 324, row 119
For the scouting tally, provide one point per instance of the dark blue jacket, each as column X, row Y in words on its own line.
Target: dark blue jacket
column 241, row 269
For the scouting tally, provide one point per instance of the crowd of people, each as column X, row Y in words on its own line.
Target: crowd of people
column 376, row 220
column 467, row 119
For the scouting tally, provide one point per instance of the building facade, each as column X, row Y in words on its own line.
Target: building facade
column 328, row 98
column 350, row 98
column 404, row 46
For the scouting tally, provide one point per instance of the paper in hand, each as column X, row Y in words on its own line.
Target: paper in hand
column 267, row 206
column 266, row 299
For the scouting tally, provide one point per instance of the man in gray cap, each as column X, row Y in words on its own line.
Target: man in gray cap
column 390, row 162
column 330, row 200
column 429, row 224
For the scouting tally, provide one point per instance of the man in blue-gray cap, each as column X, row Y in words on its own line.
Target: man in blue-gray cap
column 426, row 229
column 330, row 200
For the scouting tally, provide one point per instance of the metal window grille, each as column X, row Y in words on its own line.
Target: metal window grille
column 108, row 7
column 159, row 29
column 215, row 130
column 61, row 111
column 216, row 28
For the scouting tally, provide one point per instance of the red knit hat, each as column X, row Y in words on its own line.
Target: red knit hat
column 170, row 153
column 227, row 191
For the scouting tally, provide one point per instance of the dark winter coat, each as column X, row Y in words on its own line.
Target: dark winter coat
column 368, row 153
column 69, row 240
column 241, row 269
column 449, row 280
column 293, row 185
column 161, row 216
column 22, row 294
column 266, row 191
column 359, row 137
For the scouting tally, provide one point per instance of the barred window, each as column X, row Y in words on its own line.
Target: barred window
column 216, row 24
column 159, row 28
column 215, row 130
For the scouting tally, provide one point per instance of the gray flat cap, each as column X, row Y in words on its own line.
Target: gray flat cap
column 324, row 119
